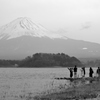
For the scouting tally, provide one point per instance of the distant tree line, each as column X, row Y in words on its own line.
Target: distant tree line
column 9, row 63
column 43, row 60
column 49, row 60
column 95, row 63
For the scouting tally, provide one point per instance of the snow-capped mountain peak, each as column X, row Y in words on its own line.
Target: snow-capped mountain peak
column 24, row 26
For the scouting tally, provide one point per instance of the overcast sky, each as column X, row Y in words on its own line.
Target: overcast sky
column 78, row 19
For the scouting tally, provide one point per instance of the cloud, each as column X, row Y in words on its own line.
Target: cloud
column 61, row 30
column 86, row 25
column 84, row 48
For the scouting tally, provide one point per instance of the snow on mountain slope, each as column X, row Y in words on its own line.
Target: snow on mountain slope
column 25, row 27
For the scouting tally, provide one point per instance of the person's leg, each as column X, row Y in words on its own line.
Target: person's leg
column 75, row 75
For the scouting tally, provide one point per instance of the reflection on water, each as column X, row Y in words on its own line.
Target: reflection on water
column 18, row 83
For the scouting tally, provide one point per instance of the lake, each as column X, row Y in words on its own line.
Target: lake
column 25, row 83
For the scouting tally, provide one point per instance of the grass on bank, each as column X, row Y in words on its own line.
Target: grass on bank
column 81, row 92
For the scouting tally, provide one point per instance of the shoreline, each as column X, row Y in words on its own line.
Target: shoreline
column 77, row 91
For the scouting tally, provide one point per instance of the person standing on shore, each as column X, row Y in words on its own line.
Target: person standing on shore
column 91, row 72
column 83, row 68
column 98, row 72
column 75, row 71
column 71, row 72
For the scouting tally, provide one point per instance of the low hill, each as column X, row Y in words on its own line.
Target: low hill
column 50, row 60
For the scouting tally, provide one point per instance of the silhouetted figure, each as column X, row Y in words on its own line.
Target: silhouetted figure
column 83, row 68
column 98, row 72
column 71, row 72
column 75, row 71
column 91, row 72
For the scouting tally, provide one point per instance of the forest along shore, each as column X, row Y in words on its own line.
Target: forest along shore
column 80, row 89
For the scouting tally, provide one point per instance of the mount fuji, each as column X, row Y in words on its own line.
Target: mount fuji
column 21, row 38
column 25, row 27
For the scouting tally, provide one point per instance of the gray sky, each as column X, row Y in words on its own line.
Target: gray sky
column 78, row 19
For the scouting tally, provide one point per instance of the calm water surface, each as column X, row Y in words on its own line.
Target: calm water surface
column 57, row 72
